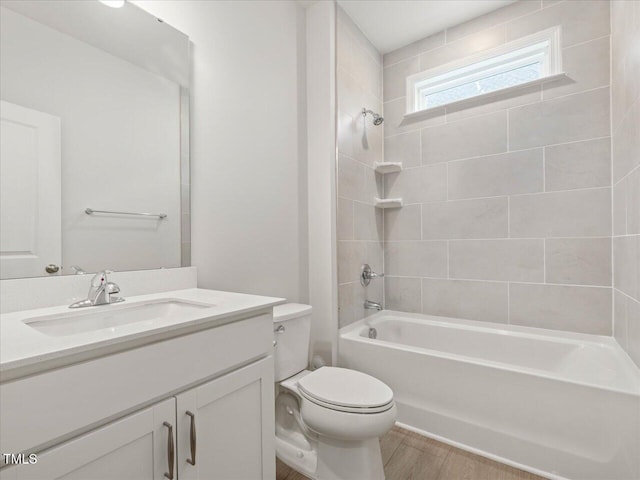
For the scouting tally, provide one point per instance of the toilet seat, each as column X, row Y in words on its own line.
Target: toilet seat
column 346, row 390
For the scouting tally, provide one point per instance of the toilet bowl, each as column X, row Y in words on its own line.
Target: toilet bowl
column 327, row 421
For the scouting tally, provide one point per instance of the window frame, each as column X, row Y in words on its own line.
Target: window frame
column 545, row 44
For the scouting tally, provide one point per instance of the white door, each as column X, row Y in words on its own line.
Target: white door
column 228, row 425
column 30, row 176
column 136, row 447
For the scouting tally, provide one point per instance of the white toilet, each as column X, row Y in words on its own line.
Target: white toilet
column 327, row 421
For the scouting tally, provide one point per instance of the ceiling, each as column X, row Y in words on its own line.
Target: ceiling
column 391, row 24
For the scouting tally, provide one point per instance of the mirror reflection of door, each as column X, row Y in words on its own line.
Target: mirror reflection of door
column 30, row 238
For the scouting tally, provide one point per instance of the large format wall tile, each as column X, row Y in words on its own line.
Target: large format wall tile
column 416, row 259
column 367, row 222
column 353, row 254
column 506, row 259
column 415, row 48
column 395, row 77
column 586, row 66
column 403, row 294
column 344, row 229
column 575, row 117
column 626, row 255
column 403, row 223
column 633, row 330
column 620, row 318
column 576, row 213
column 578, row 165
column 478, row 218
column 581, row 20
column 394, row 111
column 559, row 307
column 418, row 185
column 626, row 143
column 502, row 15
column 578, row 261
column 495, row 175
column 468, row 45
column 403, row 148
column 633, row 201
column 467, row 138
column 486, row 301
column 625, row 121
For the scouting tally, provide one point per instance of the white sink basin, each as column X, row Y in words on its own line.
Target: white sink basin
column 112, row 317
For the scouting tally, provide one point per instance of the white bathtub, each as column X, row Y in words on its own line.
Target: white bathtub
column 559, row 404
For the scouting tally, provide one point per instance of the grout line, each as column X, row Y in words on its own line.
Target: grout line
column 608, row 35
column 495, row 153
column 519, row 282
column 512, row 239
column 628, row 174
column 503, row 196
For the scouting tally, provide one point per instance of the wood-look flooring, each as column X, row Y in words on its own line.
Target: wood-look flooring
column 407, row 455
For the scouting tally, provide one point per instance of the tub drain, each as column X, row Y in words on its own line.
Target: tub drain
column 373, row 333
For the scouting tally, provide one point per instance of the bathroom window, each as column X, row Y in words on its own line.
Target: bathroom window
column 529, row 60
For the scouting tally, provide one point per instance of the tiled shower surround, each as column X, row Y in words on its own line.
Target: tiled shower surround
column 625, row 110
column 508, row 203
column 359, row 230
column 507, row 213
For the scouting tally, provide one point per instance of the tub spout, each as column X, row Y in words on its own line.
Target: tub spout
column 369, row 305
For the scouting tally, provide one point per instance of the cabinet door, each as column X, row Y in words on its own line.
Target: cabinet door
column 135, row 448
column 233, row 425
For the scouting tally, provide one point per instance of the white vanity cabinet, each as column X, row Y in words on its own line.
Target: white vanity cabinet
column 222, row 429
column 132, row 448
column 115, row 416
column 227, row 426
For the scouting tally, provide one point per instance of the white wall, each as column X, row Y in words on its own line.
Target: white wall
column 321, row 94
column 120, row 144
column 248, row 201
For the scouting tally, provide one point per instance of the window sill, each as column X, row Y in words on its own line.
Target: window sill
column 478, row 99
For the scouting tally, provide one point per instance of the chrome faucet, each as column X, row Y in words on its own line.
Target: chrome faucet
column 100, row 292
column 369, row 305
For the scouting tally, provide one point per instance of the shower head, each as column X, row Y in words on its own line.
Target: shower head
column 377, row 119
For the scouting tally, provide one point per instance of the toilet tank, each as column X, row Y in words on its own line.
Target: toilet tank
column 291, row 330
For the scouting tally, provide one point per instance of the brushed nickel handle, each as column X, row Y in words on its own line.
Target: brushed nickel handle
column 171, row 451
column 192, row 438
column 52, row 268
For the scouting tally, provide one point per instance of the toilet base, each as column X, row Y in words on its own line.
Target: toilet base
column 335, row 460
column 341, row 460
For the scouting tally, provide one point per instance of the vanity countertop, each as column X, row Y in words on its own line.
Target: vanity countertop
column 25, row 350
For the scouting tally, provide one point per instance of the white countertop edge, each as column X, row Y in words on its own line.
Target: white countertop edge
column 26, row 347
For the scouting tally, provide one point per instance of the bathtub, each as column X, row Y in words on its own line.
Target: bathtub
column 558, row 404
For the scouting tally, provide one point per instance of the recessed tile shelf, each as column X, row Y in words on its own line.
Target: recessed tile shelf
column 388, row 203
column 388, row 167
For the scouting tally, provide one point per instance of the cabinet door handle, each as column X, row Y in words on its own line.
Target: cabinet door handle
column 171, row 451
column 192, row 438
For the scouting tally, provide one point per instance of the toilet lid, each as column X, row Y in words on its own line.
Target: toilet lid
column 342, row 387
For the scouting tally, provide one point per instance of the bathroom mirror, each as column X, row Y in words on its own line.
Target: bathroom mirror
column 95, row 141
